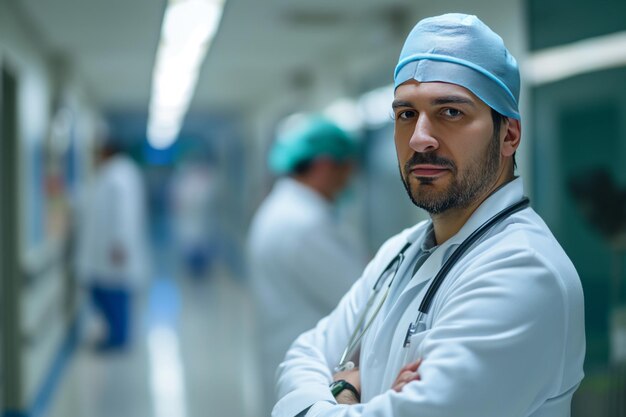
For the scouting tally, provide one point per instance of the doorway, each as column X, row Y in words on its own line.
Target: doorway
column 579, row 154
column 10, row 381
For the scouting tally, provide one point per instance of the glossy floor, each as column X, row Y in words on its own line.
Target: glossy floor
column 192, row 356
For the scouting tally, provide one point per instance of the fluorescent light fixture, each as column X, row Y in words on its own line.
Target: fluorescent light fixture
column 589, row 55
column 190, row 21
column 186, row 34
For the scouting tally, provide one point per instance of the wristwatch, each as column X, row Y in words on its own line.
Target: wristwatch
column 337, row 386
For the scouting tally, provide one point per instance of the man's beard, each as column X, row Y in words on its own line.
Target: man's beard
column 464, row 188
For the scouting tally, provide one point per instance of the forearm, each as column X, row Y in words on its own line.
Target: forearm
column 311, row 359
column 346, row 386
column 307, row 391
column 346, row 397
column 304, row 376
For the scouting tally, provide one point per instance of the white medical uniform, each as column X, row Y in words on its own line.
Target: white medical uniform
column 504, row 336
column 114, row 214
column 300, row 267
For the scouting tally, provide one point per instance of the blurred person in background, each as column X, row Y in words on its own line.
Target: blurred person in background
column 477, row 312
column 112, row 247
column 193, row 197
column 300, row 263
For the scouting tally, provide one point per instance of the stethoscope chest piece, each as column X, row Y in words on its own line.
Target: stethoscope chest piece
column 415, row 327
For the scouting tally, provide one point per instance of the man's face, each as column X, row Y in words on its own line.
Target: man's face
column 448, row 153
column 338, row 175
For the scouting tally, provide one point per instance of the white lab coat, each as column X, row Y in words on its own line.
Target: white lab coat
column 504, row 337
column 194, row 198
column 300, row 267
column 113, row 212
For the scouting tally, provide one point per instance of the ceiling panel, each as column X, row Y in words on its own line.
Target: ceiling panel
column 262, row 48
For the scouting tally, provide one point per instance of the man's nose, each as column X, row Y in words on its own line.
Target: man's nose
column 423, row 138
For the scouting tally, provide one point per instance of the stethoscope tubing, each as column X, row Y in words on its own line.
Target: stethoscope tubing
column 426, row 303
column 463, row 247
column 360, row 330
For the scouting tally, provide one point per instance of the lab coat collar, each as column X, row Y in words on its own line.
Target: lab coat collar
column 504, row 197
column 507, row 195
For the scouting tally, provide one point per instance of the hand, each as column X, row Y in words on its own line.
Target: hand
column 353, row 376
column 406, row 375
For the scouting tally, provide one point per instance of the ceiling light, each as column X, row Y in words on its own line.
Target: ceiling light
column 186, row 34
column 565, row 61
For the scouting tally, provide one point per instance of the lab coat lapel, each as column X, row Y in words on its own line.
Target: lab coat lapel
column 425, row 273
column 417, row 283
column 389, row 331
column 414, row 238
column 430, row 268
column 392, row 327
column 385, row 332
column 497, row 202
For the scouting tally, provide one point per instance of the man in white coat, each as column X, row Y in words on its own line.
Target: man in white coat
column 503, row 333
column 112, row 249
column 300, row 263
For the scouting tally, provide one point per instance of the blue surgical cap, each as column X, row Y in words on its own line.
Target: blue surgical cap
column 312, row 138
column 460, row 49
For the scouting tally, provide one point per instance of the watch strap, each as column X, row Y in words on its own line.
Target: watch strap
column 337, row 386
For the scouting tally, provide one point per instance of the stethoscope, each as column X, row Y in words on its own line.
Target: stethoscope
column 419, row 324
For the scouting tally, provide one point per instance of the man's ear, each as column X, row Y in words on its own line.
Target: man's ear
column 512, row 135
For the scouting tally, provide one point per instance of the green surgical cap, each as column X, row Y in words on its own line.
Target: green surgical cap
column 312, row 138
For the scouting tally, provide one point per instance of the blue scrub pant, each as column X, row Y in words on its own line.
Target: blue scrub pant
column 114, row 304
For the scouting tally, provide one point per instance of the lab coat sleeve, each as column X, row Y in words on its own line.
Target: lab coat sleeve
column 304, row 375
column 495, row 349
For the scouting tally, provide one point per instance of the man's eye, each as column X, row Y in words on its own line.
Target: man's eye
column 406, row 114
column 452, row 112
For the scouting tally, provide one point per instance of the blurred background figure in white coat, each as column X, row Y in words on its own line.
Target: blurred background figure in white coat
column 112, row 248
column 193, row 199
column 300, row 262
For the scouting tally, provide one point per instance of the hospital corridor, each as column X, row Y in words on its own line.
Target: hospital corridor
column 292, row 208
column 183, row 364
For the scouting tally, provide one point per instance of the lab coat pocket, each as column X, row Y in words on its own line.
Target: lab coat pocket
column 413, row 351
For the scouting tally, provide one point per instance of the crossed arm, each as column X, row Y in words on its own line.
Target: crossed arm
column 487, row 332
column 407, row 374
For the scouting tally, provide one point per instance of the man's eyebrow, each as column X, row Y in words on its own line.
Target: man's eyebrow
column 400, row 103
column 452, row 100
column 438, row 101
